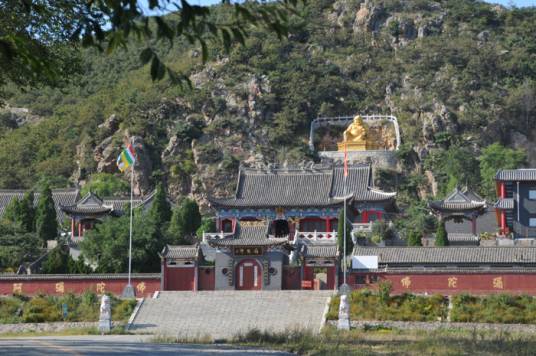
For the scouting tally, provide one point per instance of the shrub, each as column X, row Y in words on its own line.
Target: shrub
column 384, row 291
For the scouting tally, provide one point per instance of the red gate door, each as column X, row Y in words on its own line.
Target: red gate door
column 248, row 273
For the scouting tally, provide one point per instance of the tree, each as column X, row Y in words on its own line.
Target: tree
column 340, row 235
column 21, row 212
column 207, row 225
column 27, row 212
column 57, row 261
column 441, row 238
column 414, row 238
column 45, row 216
column 107, row 244
column 185, row 221
column 34, row 35
column 105, row 185
column 496, row 157
column 160, row 208
column 17, row 247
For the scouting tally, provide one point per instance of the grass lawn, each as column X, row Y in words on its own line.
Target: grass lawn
column 367, row 305
column 39, row 309
column 394, row 342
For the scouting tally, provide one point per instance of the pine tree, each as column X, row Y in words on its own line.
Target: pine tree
column 45, row 217
column 441, row 235
column 414, row 238
column 12, row 212
column 160, row 208
column 27, row 212
column 340, row 235
column 185, row 221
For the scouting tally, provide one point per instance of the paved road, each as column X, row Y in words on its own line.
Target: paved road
column 116, row 345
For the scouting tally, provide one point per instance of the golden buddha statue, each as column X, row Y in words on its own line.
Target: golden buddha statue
column 355, row 136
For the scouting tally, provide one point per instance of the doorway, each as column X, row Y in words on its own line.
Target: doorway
column 248, row 275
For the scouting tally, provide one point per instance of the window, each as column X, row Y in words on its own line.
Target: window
column 360, row 279
column 532, row 222
column 532, row 194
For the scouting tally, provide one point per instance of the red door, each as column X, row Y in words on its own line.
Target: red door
column 248, row 275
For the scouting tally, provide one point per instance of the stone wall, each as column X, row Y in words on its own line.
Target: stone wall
column 422, row 325
column 380, row 159
column 48, row 327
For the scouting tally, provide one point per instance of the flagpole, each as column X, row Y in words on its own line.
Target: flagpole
column 344, row 242
column 128, row 291
column 130, row 230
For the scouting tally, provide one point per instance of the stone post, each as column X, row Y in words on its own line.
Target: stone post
column 105, row 319
column 344, row 308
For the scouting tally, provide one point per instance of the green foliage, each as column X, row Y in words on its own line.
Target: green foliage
column 208, row 224
column 382, row 231
column 497, row 308
column 441, row 238
column 384, row 291
column 41, row 308
column 16, row 247
column 160, row 209
column 105, row 185
column 107, row 244
column 59, row 261
column 45, row 217
column 414, row 238
column 185, row 222
column 340, row 235
column 493, row 158
column 365, row 305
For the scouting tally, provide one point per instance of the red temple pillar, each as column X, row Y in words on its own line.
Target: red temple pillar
column 80, row 229
column 328, row 224
column 503, row 222
column 72, row 228
column 473, row 225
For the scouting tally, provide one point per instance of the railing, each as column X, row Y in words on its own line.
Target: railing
column 361, row 227
column 316, row 237
column 524, row 231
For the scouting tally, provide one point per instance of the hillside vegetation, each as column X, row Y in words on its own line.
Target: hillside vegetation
column 460, row 75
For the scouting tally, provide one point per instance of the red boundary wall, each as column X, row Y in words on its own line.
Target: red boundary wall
column 448, row 283
column 144, row 284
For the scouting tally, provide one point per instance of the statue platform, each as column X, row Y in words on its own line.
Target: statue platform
column 352, row 146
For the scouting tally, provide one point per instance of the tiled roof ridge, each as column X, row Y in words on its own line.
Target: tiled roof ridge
column 315, row 168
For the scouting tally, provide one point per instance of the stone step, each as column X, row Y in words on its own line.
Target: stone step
column 224, row 314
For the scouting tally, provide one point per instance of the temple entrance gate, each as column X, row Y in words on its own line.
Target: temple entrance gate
column 248, row 275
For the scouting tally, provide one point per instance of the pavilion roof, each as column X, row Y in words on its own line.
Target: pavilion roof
column 459, row 200
column 181, row 251
column 320, row 251
column 316, row 186
column 249, row 234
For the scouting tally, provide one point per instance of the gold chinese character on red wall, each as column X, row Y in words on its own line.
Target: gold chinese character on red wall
column 60, row 287
column 498, row 283
column 406, row 282
column 17, row 288
column 141, row 287
column 101, row 288
column 453, row 282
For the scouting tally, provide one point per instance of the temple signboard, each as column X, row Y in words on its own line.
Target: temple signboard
column 248, row 251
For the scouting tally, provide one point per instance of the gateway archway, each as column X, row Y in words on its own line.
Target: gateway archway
column 248, row 275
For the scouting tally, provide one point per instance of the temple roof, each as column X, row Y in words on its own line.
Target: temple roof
column 249, row 234
column 60, row 197
column 320, row 251
column 180, row 251
column 523, row 174
column 505, row 203
column 317, row 186
column 459, row 200
column 449, row 255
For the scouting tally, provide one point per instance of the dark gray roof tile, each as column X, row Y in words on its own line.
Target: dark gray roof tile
column 524, row 174
column 449, row 255
column 181, row 251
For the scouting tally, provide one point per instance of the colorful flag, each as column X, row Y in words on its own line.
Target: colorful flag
column 126, row 158
column 345, row 161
